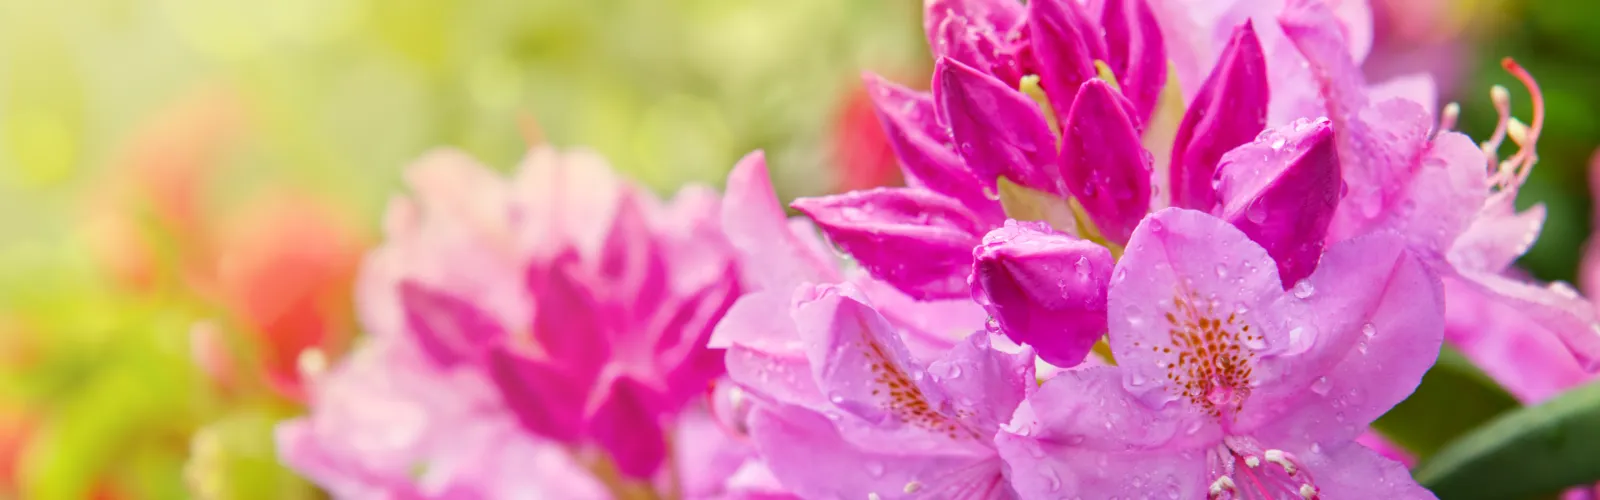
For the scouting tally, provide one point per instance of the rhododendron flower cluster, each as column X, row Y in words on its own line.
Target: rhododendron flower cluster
column 1147, row 249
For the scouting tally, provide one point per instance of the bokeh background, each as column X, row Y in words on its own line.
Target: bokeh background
column 187, row 186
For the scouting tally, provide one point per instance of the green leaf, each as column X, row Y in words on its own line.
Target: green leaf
column 1454, row 398
column 1535, row 450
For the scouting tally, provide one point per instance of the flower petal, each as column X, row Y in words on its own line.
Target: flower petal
column 1192, row 302
column 1353, row 471
column 755, row 225
column 547, row 399
column 1044, row 288
column 1103, row 163
column 1081, row 435
column 629, row 429
column 1136, row 53
column 880, row 227
column 1229, row 110
column 984, row 383
column 812, row 460
column 1498, row 235
column 448, row 329
column 1065, row 44
column 1282, row 190
column 1557, row 308
column 998, row 130
column 1521, row 355
column 923, row 144
column 979, row 33
column 1378, row 319
column 857, row 358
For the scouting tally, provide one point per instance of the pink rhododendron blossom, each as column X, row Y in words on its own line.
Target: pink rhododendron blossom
column 1226, row 385
column 557, row 317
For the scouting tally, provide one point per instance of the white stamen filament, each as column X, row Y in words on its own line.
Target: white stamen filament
column 1517, row 131
column 1276, row 456
column 1447, row 119
column 1222, row 484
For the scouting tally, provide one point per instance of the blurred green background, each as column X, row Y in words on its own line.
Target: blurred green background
column 186, row 186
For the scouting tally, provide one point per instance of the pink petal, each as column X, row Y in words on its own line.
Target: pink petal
column 856, row 357
column 1184, row 270
column 980, row 33
column 1383, row 447
column 1555, row 307
column 984, row 384
column 1229, row 110
column 929, row 328
column 448, row 329
column 1378, row 319
column 755, row 224
column 923, row 144
column 1353, row 471
column 1137, row 53
column 1498, row 236
column 812, row 460
column 569, row 325
column 1103, row 163
column 632, row 261
column 1044, row 288
column 1082, row 435
column 1065, row 44
column 629, row 429
column 775, row 378
column 546, row 399
column 880, row 227
column 1521, row 355
column 998, row 130
column 1281, row 190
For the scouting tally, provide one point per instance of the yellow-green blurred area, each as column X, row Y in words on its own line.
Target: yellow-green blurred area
column 186, row 180
column 187, row 186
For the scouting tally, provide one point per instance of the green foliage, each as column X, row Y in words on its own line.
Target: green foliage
column 1532, row 451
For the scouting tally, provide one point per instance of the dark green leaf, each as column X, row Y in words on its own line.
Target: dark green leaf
column 1535, row 450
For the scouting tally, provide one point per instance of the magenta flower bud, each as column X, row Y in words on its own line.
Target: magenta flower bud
column 1281, row 190
column 922, row 144
column 910, row 238
column 1102, row 162
column 998, row 130
column 1065, row 44
column 1229, row 110
column 1136, row 53
column 1043, row 288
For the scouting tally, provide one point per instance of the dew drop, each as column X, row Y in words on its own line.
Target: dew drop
column 1368, row 330
column 1222, row 271
column 875, row 469
column 1303, row 289
column 1320, row 386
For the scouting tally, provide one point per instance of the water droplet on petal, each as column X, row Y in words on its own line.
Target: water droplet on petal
column 1320, row 386
column 875, row 469
column 1303, row 289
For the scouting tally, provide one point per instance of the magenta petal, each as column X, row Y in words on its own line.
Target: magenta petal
column 923, row 144
column 992, row 15
column 1556, row 308
column 629, row 429
column 1136, row 53
column 682, row 346
column 632, row 260
column 1103, row 163
column 979, row 33
column 568, row 322
column 882, row 227
column 448, row 329
column 1229, row 110
column 999, row 131
column 1354, row 471
column 545, row 398
column 1282, row 190
column 1065, row 44
column 1044, row 288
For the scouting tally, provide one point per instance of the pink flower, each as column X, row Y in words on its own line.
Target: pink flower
column 556, row 320
column 1432, row 187
column 1228, row 386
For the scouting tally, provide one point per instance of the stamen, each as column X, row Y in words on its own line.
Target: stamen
column 1277, row 457
column 1447, row 118
column 913, row 486
column 1508, row 175
column 1252, row 461
column 1308, row 492
column 1222, row 484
